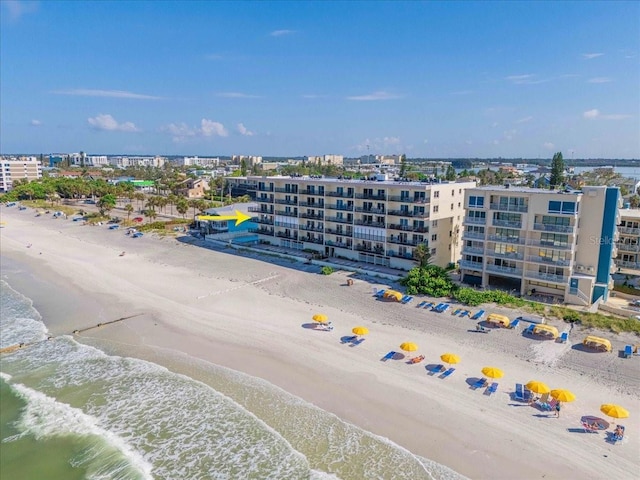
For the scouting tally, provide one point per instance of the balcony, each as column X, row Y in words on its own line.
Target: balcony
column 550, row 227
column 316, row 216
column 472, row 250
column 338, row 231
column 504, row 270
column 339, row 220
column 263, row 220
column 627, row 264
column 265, row 199
column 345, row 208
column 292, row 236
column 286, row 213
column 260, row 209
column 629, row 231
column 264, row 188
column 311, row 204
column 339, row 194
column 419, row 200
column 374, row 211
column 476, row 235
column 316, row 240
column 509, row 208
column 262, row 231
column 470, row 265
column 561, row 262
column 628, row 247
column 369, row 237
column 503, row 239
column 547, row 277
column 510, row 255
column 408, row 228
column 283, row 201
column 331, row 243
column 371, row 196
column 475, row 220
column 370, row 224
column 555, row 246
column 286, row 190
column 311, row 229
column 363, row 248
column 408, row 213
column 314, row 193
column 405, row 255
column 507, row 223
column 404, row 241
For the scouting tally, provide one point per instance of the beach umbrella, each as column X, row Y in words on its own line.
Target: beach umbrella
column 360, row 330
column 615, row 411
column 450, row 358
column 563, row 395
column 538, row 387
column 493, row 372
column 320, row 317
column 409, row 347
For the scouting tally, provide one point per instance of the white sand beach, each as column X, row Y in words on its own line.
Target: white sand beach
column 253, row 315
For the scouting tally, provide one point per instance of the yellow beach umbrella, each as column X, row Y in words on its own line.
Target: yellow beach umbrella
column 563, row 395
column 538, row 387
column 360, row 330
column 493, row 372
column 615, row 411
column 320, row 317
column 450, row 358
column 409, row 347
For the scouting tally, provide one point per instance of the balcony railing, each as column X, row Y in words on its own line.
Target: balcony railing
column 509, row 208
column 405, row 255
column 562, row 262
column 369, row 237
column 316, row 216
column 316, row 240
column 286, row 213
column 478, row 235
column 265, row 188
column 311, row 229
column 371, row 196
column 404, row 241
column 503, row 239
column 287, row 235
column 260, row 210
column 339, row 194
column 506, row 223
column 396, row 198
column 262, row 231
column 628, row 247
column 470, row 265
column 408, row 213
column 504, row 270
column 264, row 221
column 286, row 190
column 408, row 228
column 555, row 246
column 364, row 248
column 311, row 204
column 627, row 264
column 345, row 208
column 629, row 231
column 547, row 277
column 475, row 220
column 268, row 200
column 315, row 193
column 374, row 211
column 339, row 220
column 284, row 201
column 510, row 255
column 551, row 227
column 337, row 244
column 472, row 250
column 335, row 231
column 370, row 224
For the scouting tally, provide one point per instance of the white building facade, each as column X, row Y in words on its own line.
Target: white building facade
column 19, row 168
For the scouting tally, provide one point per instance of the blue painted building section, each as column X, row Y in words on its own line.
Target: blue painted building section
column 605, row 259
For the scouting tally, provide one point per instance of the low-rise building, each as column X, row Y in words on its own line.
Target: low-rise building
column 193, row 188
column 18, row 168
column 628, row 244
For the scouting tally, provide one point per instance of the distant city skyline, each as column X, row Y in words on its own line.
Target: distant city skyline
column 286, row 79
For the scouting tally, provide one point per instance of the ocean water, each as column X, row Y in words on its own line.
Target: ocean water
column 70, row 411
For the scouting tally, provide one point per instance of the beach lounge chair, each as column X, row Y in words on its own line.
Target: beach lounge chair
column 465, row 313
column 590, row 427
column 529, row 329
column 349, row 339
column 437, row 369
column 406, row 299
column 429, row 305
column 514, row 324
column 564, row 337
column 416, row 359
column 437, row 307
column 422, row 304
column 479, row 384
column 519, row 393
column 478, row 315
column 447, row 372
column 445, row 307
column 388, row 356
column 457, row 311
column 379, row 293
column 618, row 434
column 628, row 351
column 355, row 343
column 491, row 389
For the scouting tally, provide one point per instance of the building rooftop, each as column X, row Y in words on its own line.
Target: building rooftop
column 349, row 181
column 630, row 213
column 518, row 189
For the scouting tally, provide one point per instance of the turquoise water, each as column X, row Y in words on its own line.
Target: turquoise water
column 70, row 411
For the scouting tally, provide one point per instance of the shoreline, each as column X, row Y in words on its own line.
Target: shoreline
column 247, row 315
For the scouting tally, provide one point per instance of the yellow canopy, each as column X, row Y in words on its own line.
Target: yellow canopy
column 409, row 347
column 597, row 342
column 546, row 330
column 320, row 317
column 500, row 319
column 615, row 411
column 563, row 395
column 538, row 387
column 392, row 294
column 450, row 358
column 493, row 372
column 360, row 330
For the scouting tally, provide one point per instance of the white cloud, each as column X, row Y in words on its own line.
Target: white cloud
column 83, row 92
column 17, row 9
column 525, row 119
column 235, row 95
column 35, row 123
column 595, row 113
column 600, row 80
column 244, row 131
column 589, row 56
column 379, row 95
column 181, row 132
column 591, row 113
column 281, row 33
column 108, row 123
column 549, row 145
column 518, row 79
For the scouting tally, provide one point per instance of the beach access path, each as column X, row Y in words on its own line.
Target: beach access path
column 249, row 314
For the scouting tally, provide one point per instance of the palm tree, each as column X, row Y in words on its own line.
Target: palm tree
column 422, row 255
column 129, row 209
column 182, row 206
column 151, row 214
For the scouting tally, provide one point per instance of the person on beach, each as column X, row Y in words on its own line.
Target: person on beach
column 558, row 410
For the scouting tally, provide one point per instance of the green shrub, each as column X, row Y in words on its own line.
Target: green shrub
column 326, row 270
column 430, row 280
column 630, row 289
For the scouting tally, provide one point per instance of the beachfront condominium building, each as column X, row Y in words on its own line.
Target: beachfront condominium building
column 21, row 168
column 628, row 244
column 534, row 241
column 378, row 222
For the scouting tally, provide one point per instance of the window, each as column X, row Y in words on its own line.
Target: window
column 434, row 237
column 453, row 192
column 436, row 194
column 562, row 207
column 435, row 209
column 433, row 251
column 476, row 201
column 459, row 204
column 459, row 191
column 452, row 206
column 434, row 223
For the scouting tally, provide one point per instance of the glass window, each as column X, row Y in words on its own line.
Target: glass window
column 568, row 207
column 555, row 207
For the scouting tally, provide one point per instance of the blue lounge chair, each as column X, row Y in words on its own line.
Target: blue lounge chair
column 445, row 307
column 437, row 369
column 519, row 393
column 429, row 305
column 422, row 304
column 349, row 339
column 628, row 351
column 437, row 307
column 478, row 315
column 515, row 323
column 456, row 312
column 379, row 293
column 492, row 388
column 529, row 330
column 617, row 437
column 564, row 337
column 406, row 299
column 465, row 313
column 479, row 384
column 448, row 372
column 355, row 343
column 388, row 356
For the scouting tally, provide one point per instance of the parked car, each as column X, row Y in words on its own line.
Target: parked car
column 634, row 303
column 137, row 234
column 138, row 219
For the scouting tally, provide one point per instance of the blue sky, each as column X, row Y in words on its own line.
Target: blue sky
column 428, row 79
